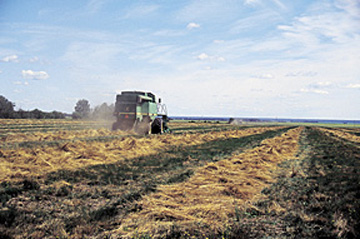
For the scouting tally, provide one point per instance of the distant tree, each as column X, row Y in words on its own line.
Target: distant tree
column 22, row 114
column 6, row 108
column 103, row 112
column 56, row 115
column 37, row 114
column 82, row 109
column 7, row 111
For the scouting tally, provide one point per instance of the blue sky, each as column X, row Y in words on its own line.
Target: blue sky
column 242, row 58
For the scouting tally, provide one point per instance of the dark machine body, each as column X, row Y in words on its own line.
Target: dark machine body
column 141, row 112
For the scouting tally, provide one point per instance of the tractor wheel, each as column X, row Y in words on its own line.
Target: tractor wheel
column 156, row 126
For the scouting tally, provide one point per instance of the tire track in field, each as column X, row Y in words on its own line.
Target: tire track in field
column 211, row 197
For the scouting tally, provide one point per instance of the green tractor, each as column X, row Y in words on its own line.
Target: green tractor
column 141, row 112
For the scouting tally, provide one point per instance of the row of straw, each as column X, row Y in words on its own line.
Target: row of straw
column 210, row 198
column 45, row 122
column 58, row 135
column 342, row 134
column 16, row 164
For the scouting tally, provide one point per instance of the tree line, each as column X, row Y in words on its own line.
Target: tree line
column 100, row 112
column 7, row 111
column 82, row 110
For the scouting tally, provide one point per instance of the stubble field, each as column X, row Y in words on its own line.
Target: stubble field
column 77, row 179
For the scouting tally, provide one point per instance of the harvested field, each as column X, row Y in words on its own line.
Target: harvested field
column 319, row 200
column 351, row 135
column 17, row 140
column 21, row 162
column 205, row 180
column 211, row 197
column 28, row 125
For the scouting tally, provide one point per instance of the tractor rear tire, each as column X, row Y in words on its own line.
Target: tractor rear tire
column 157, row 126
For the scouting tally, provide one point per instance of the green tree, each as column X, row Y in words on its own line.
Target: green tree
column 37, row 114
column 56, row 115
column 82, row 109
column 6, row 108
column 103, row 112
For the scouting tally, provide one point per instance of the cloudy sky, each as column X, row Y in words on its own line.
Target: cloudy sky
column 238, row 58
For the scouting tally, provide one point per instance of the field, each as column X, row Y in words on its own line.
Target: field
column 78, row 179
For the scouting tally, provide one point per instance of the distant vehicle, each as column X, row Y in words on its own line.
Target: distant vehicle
column 141, row 112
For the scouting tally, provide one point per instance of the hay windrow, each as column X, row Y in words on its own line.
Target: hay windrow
column 344, row 134
column 212, row 196
column 58, row 135
column 20, row 163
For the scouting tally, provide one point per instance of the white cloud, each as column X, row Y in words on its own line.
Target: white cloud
column 353, row 86
column 21, row 83
column 322, row 84
column 192, row 25
column 141, row 11
column 316, row 91
column 296, row 55
column 158, row 54
column 34, row 59
column 279, row 4
column 35, row 75
column 302, row 74
column 260, row 19
column 11, row 58
column 204, row 57
column 264, row 76
column 320, row 87
column 332, row 26
column 351, row 6
column 251, row 2
column 17, row 91
column 94, row 6
column 98, row 55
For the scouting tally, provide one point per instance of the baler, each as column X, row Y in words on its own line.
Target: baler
column 141, row 112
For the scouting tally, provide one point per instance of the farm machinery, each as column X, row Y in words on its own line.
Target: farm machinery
column 141, row 112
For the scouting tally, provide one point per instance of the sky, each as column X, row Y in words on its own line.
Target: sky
column 231, row 58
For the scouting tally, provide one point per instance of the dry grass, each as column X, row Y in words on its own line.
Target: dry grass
column 19, row 163
column 344, row 134
column 58, row 135
column 16, row 125
column 210, row 199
